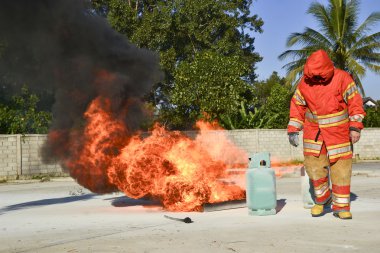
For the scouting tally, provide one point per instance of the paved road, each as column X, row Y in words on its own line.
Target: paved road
column 61, row 216
column 369, row 165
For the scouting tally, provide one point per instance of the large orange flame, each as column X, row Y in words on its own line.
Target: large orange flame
column 181, row 172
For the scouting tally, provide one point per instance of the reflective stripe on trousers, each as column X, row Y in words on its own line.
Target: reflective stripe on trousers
column 340, row 175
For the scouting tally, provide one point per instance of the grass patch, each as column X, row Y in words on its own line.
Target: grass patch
column 42, row 178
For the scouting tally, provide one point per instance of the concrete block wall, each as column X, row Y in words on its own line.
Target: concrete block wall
column 20, row 155
column 9, row 156
column 369, row 145
column 32, row 159
column 274, row 141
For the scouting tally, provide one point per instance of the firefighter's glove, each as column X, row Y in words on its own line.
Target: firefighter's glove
column 293, row 139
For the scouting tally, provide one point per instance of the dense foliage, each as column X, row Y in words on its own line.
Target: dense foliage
column 207, row 56
column 372, row 119
column 269, row 107
column 209, row 84
column 21, row 115
column 201, row 35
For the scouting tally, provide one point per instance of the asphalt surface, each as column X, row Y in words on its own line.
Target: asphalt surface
column 61, row 216
column 372, row 167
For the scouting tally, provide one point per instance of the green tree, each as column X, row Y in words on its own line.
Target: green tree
column 372, row 119
column 210, row 84
column 21, row 116
column 262, row 89
column 179, row 31
column 275, row 112
column 245, row 118
column 348, row 44
column 268, row 109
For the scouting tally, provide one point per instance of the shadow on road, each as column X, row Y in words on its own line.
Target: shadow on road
column 280, row 204
column 353, row 196
column 45, row 202
column 125, row 201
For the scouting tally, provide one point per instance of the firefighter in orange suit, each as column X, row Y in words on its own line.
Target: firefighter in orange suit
column 329, row 109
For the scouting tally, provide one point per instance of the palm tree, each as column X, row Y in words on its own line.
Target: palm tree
column 346, row 42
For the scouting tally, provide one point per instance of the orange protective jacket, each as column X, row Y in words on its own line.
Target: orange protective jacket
column 326, row 105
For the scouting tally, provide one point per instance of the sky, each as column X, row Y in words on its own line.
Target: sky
column 283, row 17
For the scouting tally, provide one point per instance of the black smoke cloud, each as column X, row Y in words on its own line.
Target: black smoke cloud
column 62, row 46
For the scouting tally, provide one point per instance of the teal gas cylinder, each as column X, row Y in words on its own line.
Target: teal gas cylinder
column 260, row 185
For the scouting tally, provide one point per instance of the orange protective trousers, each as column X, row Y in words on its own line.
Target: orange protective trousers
column 318, row 168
